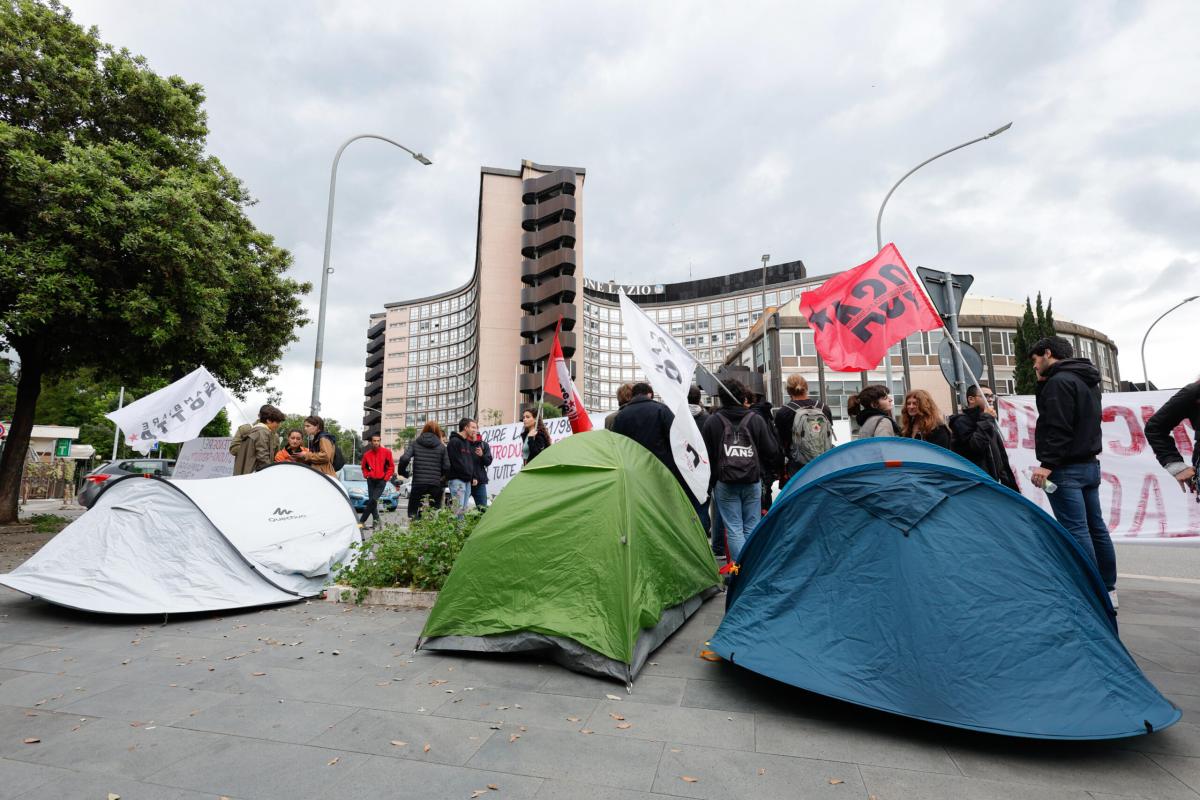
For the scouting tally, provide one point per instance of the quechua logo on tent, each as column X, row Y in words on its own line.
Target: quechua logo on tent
column 283, row 515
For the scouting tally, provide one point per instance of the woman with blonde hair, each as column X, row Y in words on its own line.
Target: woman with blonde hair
column 922, row 419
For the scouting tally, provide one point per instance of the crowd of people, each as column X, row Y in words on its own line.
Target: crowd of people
column 751, row 446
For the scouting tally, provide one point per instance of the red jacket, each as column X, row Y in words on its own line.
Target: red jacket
column 378, row 464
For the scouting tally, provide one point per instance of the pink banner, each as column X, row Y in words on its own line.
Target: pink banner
column 1141, row 501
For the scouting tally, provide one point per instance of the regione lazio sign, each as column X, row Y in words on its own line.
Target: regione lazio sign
column 857, row 315
column 1141, row 502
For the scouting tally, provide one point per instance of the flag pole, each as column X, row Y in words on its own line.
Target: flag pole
column 546, row 369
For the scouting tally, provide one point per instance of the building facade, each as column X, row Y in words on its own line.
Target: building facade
column 479, row 350
column 989, row 324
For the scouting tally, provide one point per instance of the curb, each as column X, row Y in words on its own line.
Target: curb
column 20, row 527
column 395, row 596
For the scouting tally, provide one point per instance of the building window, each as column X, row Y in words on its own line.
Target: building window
column 807, row 346
column 787, row 344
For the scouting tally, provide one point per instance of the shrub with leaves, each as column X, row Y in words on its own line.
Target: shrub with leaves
column 419, row 556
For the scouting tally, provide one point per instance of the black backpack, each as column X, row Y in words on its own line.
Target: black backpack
column 739, row 457
column 339, row 460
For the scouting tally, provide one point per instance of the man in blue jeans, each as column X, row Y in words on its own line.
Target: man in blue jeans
column 1068, row 440
column 741, row 451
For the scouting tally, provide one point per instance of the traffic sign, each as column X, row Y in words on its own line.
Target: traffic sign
column 945, row 355
column 62, row 448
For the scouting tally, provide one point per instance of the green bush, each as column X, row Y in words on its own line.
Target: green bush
column 48, row 523
column 419, row 556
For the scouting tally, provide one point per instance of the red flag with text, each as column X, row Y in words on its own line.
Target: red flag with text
column 857, row 315
column 559, row 384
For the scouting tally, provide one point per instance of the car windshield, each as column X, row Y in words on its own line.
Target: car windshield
column 352, row 474
column 148, row 467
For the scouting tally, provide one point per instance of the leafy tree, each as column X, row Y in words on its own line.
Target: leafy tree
column 1034, row 325
column 550, row 411
column 124, row 247
column 403, row 437
column 8, row 390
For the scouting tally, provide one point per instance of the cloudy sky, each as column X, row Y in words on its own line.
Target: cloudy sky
column 713, row 133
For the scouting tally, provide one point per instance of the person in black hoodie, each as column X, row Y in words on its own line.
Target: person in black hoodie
column 977, row 439
column 1185, row 404
column 1067, row 441
column 461, row 450
column 430, row 468
column 762, row 406
column 741, row 448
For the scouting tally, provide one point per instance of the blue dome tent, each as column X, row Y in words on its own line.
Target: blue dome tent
column 896, row 575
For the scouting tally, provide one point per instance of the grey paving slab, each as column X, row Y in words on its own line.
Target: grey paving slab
column 49, row 691
column 1188, row 703
column 734, row 775
column 695, row 726
column 506, row 673
column 410, row 780
column 408, row 692
column 1177, row 662
column 138, row 703
column 904, row 784
column 9, row 674
column 1174, row 682
column 750, row 693
column 854, row 739
column 117, row 748
column 94, row 785
column 262, row 717
column 1089, row 766
column 73, row 661
column 547, row 753
column 450, row 741
column 568, row 790
column 659, row 690
column 158, row 671
column 519, row 708
column 1187, row 770
column 256, row 768
column 240, row 678
column 689, row 665
column 18, row 777
column 1181, row 739
column 12, row 653
column 19, row 724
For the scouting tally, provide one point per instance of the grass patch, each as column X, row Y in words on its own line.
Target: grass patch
column 48, row 523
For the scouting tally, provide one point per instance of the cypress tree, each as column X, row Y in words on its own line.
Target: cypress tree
column 1028, row 332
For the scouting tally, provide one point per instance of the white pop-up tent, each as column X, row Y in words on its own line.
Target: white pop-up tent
column 151, row 546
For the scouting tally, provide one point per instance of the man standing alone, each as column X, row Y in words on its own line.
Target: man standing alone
column 1067, row 440
column 378, row 468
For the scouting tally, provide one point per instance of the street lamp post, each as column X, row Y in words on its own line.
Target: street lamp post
column 325, row 270
column 763, row 318
column 1145, row 375
column 879, row 240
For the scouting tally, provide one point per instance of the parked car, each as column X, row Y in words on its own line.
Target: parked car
column 356, row 486
column 94, row 481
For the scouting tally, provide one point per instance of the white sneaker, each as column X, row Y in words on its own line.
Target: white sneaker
column 1113, row 597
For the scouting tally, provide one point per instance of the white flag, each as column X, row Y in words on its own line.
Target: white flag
column 669, row 367
column 176, row 413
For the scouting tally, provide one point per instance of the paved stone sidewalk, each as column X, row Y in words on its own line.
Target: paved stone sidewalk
column 320, row 701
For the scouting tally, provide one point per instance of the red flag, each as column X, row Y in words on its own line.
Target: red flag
column 857, row 315
column 559, row 384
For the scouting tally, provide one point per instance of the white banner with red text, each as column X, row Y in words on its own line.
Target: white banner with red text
column 1141, row 501
column 508, row 450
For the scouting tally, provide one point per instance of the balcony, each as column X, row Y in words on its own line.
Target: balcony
column 531, row 354
column 560, row 234
column 375, row 387
column 559, row 262
column 375, row 345
column 559, row 207
column 546, row 320
column 374, row 373
column 535, row 189
column 555, row 290
column 375, row 358
column 376, row 329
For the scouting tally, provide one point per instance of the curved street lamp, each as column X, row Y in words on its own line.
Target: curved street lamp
column 325, row 270
column 1145, row 376
column 879, row 241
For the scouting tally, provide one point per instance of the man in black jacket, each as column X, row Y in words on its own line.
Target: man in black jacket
column 1067, row 441
column 465, row 455
column 977, row 439
column 1160, row 433
column 649, row 424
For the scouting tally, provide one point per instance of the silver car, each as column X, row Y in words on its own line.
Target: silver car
column 95, row 480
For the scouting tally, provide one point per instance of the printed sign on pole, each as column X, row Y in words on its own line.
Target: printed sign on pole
column 206, row 457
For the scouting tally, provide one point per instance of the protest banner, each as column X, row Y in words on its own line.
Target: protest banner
column 669, row 368
column 1141, row 501
column 175, row 413
column 858, row 314
column 206, row 457
column 507, row 452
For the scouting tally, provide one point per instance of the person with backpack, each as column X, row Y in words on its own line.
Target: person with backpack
column 430, row 462
column 977, row 437
column 872, row 410
column 804, row 426
column 741, row 449
column 922, row 419
column 253, row 446
column 323, row 453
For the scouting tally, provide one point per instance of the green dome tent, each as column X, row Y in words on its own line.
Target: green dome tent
column 592, row 554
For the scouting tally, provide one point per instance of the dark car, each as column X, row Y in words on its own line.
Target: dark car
column 95, row 480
